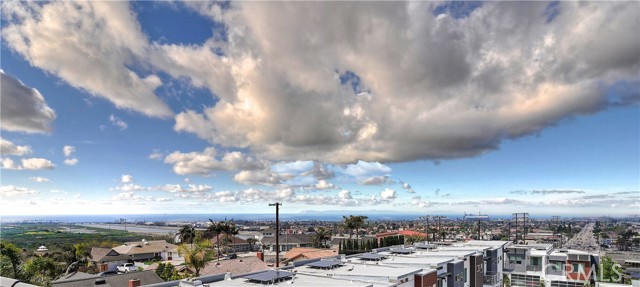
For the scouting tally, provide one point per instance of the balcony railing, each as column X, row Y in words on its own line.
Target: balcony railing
column 492, row 279
column 534, row 268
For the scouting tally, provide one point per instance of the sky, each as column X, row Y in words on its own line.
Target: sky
column 356, row 107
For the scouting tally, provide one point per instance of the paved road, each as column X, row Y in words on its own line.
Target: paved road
column 584, row 239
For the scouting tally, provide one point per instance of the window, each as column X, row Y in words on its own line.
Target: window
column 516, row 258
column 535, row 261
column 578, row 267
column 465, row 275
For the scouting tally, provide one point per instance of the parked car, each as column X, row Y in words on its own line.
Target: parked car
column 231, row 256
column 126, row 268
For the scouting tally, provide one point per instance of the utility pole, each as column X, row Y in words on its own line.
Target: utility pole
column 426, row 228
column 277, row 205
column 524, row 217
column 555, row 220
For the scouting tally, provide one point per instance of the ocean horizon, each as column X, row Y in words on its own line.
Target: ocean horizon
column 303, row 216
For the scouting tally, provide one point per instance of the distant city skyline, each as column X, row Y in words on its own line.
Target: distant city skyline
column 416, row 107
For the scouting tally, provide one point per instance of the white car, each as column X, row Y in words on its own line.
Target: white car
column 126, row 268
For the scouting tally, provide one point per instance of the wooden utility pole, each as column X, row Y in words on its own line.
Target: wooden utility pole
column 277, row 205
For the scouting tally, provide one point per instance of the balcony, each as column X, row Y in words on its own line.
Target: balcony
column 534, row 268
column 492, row 279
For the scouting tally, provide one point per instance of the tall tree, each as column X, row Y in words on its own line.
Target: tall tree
column 352, row 223
column 609, row 271
column 187, row 233
column 197, row 254
column 321, row 236
column 10, row 254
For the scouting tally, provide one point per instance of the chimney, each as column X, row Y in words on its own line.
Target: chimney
column 260, row 255
column 134, row 282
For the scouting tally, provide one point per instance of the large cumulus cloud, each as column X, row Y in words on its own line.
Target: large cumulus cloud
column 438, row 87
column 349, row 81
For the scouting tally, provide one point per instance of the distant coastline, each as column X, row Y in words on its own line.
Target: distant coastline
column 304, row 216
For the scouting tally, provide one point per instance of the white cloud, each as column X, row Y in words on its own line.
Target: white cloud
column 129, row 187
column 37, row 163
column 117, row 122
column 68, row 150
column 156, row 155
column 388, row 194
column 88, row 45
column 461, row 90
column 189, row 188
column 13, row 191
column 38, row 179
column 345, row 194
column 324, row 184
column 8, row 163
column 9, row 148
column 71, row 161
column 207, row 161
column 252, row 177
column 427, row 86
column 376, row 180
column 23, row 109
column 407, row 187
column 126, row 178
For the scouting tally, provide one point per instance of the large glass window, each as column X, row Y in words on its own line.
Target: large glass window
column 516, row 258
column 535, row 261
column 465, row 275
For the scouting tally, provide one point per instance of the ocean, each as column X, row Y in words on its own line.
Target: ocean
column 198, row 217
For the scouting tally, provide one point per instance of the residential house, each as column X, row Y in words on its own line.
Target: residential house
column 288, row 242
column 133, row 279
column 306, row 253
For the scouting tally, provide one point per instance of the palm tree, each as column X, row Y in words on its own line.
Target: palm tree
column 81, row 255
column 233, row 230
column 354, row 223
column 321, row 236
column 187, row 233
column 217, row 228
column 197, row 254
column 251, row 241
column 348, row 224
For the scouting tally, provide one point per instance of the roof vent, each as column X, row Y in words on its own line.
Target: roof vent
column 100, row 282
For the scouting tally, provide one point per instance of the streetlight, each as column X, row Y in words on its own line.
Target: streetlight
column 277, row 205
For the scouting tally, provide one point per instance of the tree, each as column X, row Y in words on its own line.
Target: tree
column 81, row 255
column 187, row 233
column 10, row 255
column 321, row 236
column 40, row 270
column 506, row 282
column 609, row 270
column 197, row 254
column 216, row 228
column 352, row 223
column 251, row 241
column 232, row 230
column 624, row 241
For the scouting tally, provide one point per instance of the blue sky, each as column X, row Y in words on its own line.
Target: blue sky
column 430, row 107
